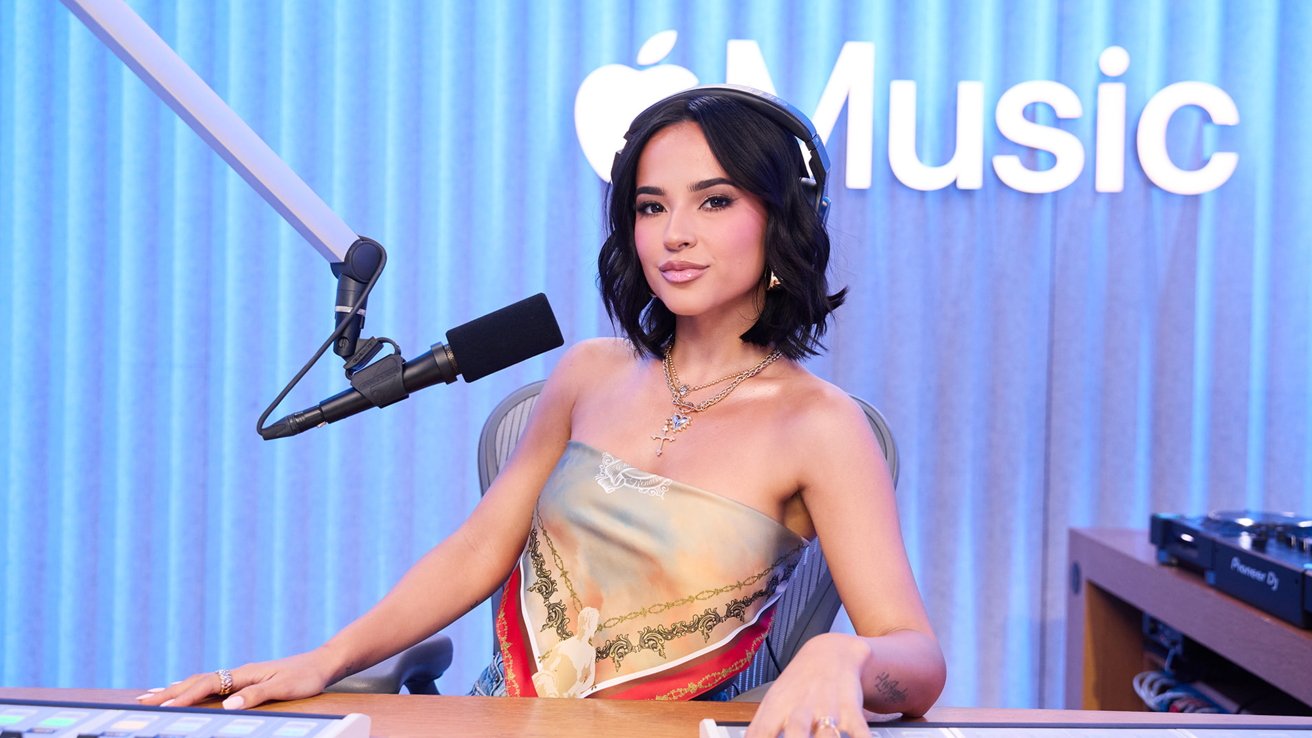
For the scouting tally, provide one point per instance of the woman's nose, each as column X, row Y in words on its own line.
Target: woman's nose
column 679, row 233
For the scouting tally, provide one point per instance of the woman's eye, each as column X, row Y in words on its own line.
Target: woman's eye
column 649, row 208
column 718, row 202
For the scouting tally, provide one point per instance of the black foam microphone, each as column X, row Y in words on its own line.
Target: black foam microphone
column 473, row 351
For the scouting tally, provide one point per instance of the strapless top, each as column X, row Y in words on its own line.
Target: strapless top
column 633, row 585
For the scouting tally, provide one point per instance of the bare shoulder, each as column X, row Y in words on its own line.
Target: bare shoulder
column 551, row 425
column 829, row 434
column 597, row 354
column 823, row 411
column 587, row 359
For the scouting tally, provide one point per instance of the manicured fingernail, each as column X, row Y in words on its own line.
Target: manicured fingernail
column 142, row 696
column 235, row 702
column 177, row 682
column 166, row 703
column 153, row 690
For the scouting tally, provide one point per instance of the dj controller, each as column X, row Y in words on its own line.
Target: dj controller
column 32, row 719
column 36, row 719
column 1262, row 558
column 712, row 729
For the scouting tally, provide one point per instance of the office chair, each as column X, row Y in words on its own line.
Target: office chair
column 807, row 608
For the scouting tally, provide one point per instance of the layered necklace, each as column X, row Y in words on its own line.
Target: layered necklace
column 684, row 409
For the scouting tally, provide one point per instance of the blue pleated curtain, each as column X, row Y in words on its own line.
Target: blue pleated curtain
column 1069, row 359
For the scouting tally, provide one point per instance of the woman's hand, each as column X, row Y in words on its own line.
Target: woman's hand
column 295, row 677
column 819, row 693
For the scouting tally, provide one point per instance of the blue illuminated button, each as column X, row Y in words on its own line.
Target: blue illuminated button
column 61, row 720
column 184, row 726
column 241, row 726
column 295, row 729
column 130, row 725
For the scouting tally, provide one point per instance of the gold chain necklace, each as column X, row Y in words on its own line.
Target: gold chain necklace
column 684, row 389
column 681, row 418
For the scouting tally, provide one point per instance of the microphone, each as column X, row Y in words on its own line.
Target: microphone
column 473, row 351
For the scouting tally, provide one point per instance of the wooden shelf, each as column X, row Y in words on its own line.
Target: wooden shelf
column 1115, row 579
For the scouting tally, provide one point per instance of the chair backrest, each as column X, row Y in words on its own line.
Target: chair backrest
column 504, row 425
column 807, row 607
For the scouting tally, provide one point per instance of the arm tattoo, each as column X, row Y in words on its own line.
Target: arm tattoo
column 887, row 687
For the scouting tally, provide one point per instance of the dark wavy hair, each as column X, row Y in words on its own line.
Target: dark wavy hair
column 762, row 158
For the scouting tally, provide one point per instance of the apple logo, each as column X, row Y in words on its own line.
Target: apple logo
column 612, row 96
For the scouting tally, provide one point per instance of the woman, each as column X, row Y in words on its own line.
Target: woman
column 667, row 481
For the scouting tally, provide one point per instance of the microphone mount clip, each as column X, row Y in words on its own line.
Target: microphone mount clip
column 381, row 382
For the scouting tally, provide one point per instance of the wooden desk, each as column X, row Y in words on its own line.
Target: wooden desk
column 403, row 716
column 1121, row 580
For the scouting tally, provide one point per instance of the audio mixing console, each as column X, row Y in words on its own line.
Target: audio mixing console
column 29, row 719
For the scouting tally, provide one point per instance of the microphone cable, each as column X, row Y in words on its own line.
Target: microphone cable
column 337, row 333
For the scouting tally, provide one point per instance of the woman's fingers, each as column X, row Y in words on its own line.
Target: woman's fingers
column 251, row 696
column 812, row 722
column 250, row 687
column 246, row 686
column 189, row 691
column 850, row 724
column 810, row 708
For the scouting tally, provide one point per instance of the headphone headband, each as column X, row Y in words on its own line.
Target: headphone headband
column 782, row 114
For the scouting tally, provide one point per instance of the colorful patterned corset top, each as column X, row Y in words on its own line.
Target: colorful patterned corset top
column 636, row 586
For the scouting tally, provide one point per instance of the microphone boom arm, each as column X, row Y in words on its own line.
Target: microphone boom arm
column 164, row 72
column 356, row 261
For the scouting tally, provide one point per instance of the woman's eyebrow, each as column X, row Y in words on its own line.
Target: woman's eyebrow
column 694, row 187
column 708, row 183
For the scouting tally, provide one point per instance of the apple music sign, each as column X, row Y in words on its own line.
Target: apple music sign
column 611, row 96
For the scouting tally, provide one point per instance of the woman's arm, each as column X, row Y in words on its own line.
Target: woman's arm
column 894, row 663
column 444, row 584
column 463, row 570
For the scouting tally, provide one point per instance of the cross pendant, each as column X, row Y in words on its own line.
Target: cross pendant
column 662, row 438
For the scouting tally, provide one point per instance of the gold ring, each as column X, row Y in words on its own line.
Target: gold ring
column 225, row 682
column 827, row 722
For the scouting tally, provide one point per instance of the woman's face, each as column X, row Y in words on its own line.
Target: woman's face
column 700, row 238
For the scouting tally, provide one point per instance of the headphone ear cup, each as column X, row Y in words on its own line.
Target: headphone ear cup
column 817, row 198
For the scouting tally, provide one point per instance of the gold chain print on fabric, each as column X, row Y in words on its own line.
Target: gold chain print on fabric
column 507, row 659
column 654, row 637
column 651, row 637
column 715, row 677
column 557, row 618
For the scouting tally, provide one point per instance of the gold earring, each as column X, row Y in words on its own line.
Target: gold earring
column 774, row 281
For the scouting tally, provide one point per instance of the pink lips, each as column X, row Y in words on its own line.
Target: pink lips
column 679, row 272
